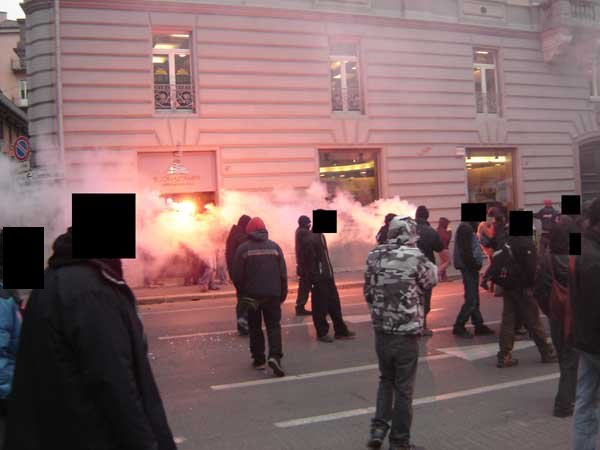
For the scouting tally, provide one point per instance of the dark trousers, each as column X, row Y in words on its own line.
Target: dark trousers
column 326, row 300
column 241, row 312
column 303, row 291
column 270, row 309
column 470, row 308
column 568, row 360
column 398, row 357
column 426, row 305
column 530, row 313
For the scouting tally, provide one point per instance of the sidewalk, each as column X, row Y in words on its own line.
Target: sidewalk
column 171, row 294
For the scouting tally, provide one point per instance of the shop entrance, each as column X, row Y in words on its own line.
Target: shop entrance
column 490, row 176
column 589, row 157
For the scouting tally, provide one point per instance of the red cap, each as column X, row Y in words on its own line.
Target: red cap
column 547, row 202
column 254, row 225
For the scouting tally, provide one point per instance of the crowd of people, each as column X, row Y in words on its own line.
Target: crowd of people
column 81, row 358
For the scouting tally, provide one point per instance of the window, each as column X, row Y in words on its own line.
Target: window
column 23, row 92
column 486, row 82
column 490, row 177
column 595, row 79
column 345, row 77
column 173, row 82
column 353, row 171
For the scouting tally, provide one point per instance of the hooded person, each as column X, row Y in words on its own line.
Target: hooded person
column 429, row 242
column 383, row 231
column 10, row 328
column 548, row 216
column 237, row 236
column 260, row 277
column 302, row 234
column 397, row 276
column 82, row 378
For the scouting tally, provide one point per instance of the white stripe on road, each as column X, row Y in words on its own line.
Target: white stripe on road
column 289, row 325
column 361, row 318
column 307, row 376
column 418, row 401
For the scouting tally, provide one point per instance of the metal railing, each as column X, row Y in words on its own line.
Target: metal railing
column 346, row 99
column 18, row 64
column 583, row 10
column 487, row 103
column 174, row 97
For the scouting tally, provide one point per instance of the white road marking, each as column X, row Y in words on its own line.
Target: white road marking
column 308, row 376
column 473, row 352
column 360, row 318
column 416, row 402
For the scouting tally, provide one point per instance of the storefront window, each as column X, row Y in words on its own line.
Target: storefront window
column 490, row 177
column 353, row 171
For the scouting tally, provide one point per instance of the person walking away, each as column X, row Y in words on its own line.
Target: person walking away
column 396, row 278
column 260, row 276
column 10, row 328
column 82, row 378
column 325, row 296
column 486, row 233
column 237, row 236
column 548, row 217
column 302, row 234
column 584, row 284
column 468, row 258
column 518, row 295
column 445, row 236
column 429, row 241
column 552, row 293
column 381, row 236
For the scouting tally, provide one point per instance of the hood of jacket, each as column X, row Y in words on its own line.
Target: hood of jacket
column 63, row 256
column 259, row 235
column 402, row 231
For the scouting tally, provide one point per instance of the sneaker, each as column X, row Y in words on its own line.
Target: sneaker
column 259, row 365
column 483, row 330
column 462, row 332
column 326, row 338
column 275, row 365
column 347, row 335
column 521, row 331
column 303, row 312
column 426, row 332
column 377, row 437
column 506, row 361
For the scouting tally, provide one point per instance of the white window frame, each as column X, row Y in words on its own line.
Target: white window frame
column 344, row 59
column 482, row 68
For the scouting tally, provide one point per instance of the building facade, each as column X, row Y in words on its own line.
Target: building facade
column 13, row 78
column 436, row 101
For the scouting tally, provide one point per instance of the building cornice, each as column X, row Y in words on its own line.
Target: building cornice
column 31, row 6
column 319, row 16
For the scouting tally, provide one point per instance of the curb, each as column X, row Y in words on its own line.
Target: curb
column 175, row 298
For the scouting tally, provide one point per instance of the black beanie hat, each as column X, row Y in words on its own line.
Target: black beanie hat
column 243, row 221
column 303, row 221
column 422, row 213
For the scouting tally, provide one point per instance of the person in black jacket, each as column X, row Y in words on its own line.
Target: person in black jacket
column 82, row 378
column 383, row 231
column 429, row 242
column 548, row 216
column 237, row 236
column 260, row 277
column 325, row 296
column 302, row 233
column 584, row 284
column 521, row 297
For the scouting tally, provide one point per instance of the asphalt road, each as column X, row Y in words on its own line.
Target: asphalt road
column 216, row 401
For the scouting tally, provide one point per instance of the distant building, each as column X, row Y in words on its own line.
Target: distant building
column 13, row 123
column 13, row 77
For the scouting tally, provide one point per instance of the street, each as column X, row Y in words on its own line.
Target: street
column 215, row 400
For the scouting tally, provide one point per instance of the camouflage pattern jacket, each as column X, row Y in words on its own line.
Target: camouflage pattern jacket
column 396, row 277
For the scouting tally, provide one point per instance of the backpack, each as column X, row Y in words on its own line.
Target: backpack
column 560, row 307
column 504, row 270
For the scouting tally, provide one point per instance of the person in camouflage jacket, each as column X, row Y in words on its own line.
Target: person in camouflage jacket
column 396, row 278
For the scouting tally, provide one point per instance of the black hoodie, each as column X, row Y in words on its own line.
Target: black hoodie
column 237, row 236
column 82, row 378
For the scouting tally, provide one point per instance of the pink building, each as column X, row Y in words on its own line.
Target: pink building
column 437, row 101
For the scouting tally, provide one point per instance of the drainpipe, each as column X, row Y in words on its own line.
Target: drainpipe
column 59, row 102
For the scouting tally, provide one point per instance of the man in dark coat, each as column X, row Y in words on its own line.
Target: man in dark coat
column 548, row 216
column 584, row 284
column 325, row 296
column 82, row 378
column 237, row 236
column 302, row 233
column 429, row 241
column 260, row 276
column 383, row 231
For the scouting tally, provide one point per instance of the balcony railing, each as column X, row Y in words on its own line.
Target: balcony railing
column 570, row 13
column 583, row 10
column 171, row 97
column 487, row 103
column 346, row 99
column 18, row 65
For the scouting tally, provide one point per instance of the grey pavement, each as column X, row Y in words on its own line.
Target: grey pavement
column 460, row 403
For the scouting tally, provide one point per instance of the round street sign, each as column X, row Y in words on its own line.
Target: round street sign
column 22, row 148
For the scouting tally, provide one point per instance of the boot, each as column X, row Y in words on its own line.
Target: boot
column 549, row 354
column 461, row 332
column 378, row 435
column 506, row 361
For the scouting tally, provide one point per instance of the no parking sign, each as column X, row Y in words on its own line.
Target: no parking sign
column 22, row 148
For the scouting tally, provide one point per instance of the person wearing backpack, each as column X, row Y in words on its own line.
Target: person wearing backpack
column 468, row 258
column 552, row 293
column 514, row 268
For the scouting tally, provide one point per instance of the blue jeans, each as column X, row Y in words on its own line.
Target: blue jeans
column 470, row 308
column 586, row 419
